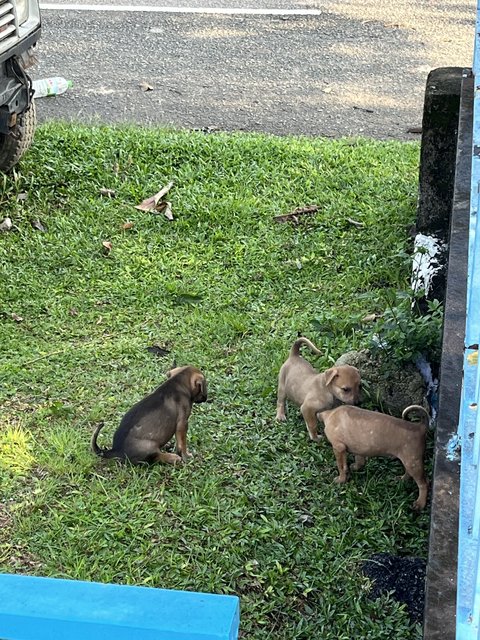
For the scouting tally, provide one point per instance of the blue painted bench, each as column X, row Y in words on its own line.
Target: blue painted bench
column 33, row 608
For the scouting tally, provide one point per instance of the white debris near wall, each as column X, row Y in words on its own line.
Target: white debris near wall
column 427, row 261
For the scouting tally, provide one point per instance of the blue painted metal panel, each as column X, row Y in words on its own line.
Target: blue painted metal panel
column 468, row 578
column 33, row 608
column 468, row 548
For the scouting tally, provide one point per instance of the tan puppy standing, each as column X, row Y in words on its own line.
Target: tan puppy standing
column 369, row 433
column 153, row 421
column 314, row 392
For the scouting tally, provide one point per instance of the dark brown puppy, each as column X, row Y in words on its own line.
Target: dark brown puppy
column 153, row 421
column 370, row 433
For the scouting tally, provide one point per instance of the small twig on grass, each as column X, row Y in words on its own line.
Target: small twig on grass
column 293, row 215
column 45, row 355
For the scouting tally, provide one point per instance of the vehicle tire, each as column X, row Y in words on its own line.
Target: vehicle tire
column 12, row 147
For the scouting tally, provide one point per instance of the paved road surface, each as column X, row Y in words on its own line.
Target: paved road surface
column 356, row 67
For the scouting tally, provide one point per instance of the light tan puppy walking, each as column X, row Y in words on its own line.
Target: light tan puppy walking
column 370, row 433
column 314, row 392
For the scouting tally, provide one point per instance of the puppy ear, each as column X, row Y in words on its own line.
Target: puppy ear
column 330, row 374
column 199, row 386
column 173, row 372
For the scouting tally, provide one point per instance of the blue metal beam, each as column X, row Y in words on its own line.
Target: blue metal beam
column 468, row 581
column 33, row 608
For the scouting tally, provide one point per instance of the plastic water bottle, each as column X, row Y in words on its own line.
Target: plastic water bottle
column 50, row 86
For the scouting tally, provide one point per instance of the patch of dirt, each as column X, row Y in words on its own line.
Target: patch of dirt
column 403, row 577
column 5, row 516
column 390, row 387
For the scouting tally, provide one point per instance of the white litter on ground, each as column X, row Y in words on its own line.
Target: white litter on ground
column 426, row 262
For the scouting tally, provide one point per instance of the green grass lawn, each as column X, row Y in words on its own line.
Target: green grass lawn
column 226, row 288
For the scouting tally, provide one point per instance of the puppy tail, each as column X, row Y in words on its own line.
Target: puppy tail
column 103, row 453
column 416, row 408
column 295, row 350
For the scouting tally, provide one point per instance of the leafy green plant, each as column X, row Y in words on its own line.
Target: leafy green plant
column 403, row 333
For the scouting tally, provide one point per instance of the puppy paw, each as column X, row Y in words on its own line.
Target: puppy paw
column 357, row 466
column 187, row 456
column 417, row 506
column 340, row 480
column 281, row 417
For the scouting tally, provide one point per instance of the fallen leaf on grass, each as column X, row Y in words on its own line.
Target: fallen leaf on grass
column 73, row 312
column 293, row 215
column 107, row 246
column 305, row 519
column 127, row 225
column 355, row 223
column 150, row 204
column 144, row 86
column 158, row 351
column 16, row 317
column 165, row 208
column 36, row 224
column 6, row 225
column 21, row 197
column 108, row 193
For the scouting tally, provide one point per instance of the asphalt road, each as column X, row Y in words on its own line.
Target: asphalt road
column 351, row 68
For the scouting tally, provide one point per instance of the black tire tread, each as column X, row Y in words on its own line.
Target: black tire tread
column 13, row 148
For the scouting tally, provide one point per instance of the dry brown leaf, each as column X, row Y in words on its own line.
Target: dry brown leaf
column 21, row 197
column 6, row 225
column 16, row 317
column 109, row 193
column 293, row 216
column 36, row 224
column 127, row 225
column 107, row 246
column 165, row 208
column 144, row 86
column 73, row 312
column 151, row 203
column 355, row 223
